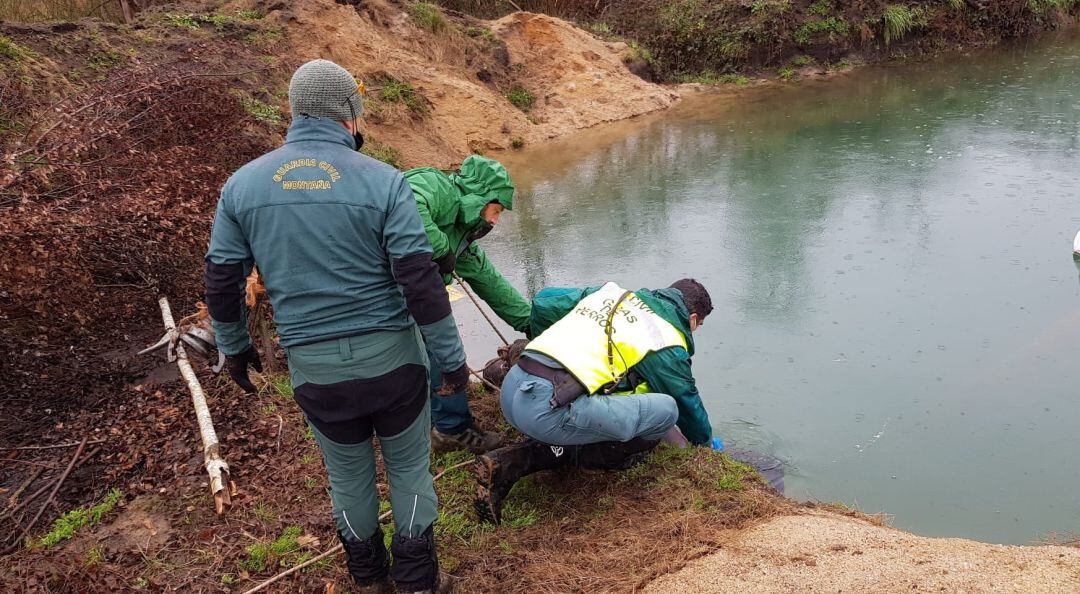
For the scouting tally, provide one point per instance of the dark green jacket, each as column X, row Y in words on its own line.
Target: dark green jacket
column 450, row 208
column 666, row 371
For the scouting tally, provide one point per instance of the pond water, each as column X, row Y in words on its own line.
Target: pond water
column 897, row 308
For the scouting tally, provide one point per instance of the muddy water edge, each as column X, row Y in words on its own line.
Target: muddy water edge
column 889, row 255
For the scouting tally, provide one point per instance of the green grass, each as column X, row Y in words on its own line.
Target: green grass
column 196, row 21
column 786, row 72
column 480, row 33
column 520, row 98
column 770, row 7
column 95, row 555
column 956, row 4
column 105, row 59
column 821, row 7
column 800, row 61
column 308, row 459
column 382, row 152
column 311, row 482
column 282, row 551
column 637, row 53
column 282, row 384
column 397, row 91
column 251, row 15
column 228, row 579
column 427, row 16
column 261, row 112
column 817, row 29
column 264, row 513
column 66, row 525
column 265, row 36
column 898, row 20
column 11, row 50
column 709, row 77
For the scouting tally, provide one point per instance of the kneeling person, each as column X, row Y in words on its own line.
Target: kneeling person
column 607, row 376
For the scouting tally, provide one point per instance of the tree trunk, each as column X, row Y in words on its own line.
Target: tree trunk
column 129, row 14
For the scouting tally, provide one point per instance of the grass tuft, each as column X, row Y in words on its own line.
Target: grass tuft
column 814, row 30
column 382, row 152
column 261, row 112
column 396, row 91
column 66, row 525
column 898, row 21
column 427, row 16
column 282, row 551
column 521, row 98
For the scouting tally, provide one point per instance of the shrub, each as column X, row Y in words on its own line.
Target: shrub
column 899, row 20
column 396, row 91
column 821, row 7
column 517, row 142
column 638, row 53
column 830, row 28
column 427, row 16
column 521, row 98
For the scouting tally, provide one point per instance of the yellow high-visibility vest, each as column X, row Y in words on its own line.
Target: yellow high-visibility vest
column 605, row 335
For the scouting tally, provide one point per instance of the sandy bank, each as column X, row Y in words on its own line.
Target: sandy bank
column 826, row 552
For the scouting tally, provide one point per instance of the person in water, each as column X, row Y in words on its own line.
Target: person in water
column 606, row 378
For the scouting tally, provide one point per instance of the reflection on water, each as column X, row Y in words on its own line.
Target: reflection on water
column 887, row 255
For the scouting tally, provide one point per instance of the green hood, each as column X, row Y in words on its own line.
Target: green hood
column 481, row 181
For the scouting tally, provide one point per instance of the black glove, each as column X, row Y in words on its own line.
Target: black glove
column 237, row 366
column 447, row 262
column 454, row 382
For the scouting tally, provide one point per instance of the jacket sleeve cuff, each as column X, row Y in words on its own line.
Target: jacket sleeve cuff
column 443, row 341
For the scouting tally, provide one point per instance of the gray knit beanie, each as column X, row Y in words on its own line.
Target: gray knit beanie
column 322, row 89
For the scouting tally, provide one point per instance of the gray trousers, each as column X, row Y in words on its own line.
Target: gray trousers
column 352, row 480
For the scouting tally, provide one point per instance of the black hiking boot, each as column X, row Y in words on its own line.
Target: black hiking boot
column 416, row 566
column 614, row 455
column 368, row 563
column 498, row 471
column 472, row 439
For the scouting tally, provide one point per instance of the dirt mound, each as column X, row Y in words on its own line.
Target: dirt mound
column 459, row 73
column 578, row 80
column 827, row 552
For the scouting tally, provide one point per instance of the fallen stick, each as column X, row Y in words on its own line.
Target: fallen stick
column 56, row 445
column 482, row 312
column 56, row 487
column 37, row 493
column 31, row 463
column 33, row 477
column 215, row 465
column 484, row 381
column 338, row 547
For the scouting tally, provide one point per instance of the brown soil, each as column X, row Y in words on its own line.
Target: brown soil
column 826, row 552
column 577, row 80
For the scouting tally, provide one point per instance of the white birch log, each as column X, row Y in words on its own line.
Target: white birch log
column 216, row 467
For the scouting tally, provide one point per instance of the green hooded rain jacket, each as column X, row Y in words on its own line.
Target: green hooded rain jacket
column 450, row 208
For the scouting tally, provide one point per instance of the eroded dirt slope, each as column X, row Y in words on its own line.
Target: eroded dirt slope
column 463, row 70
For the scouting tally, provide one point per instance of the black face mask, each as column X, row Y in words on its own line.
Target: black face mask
column 359, row 139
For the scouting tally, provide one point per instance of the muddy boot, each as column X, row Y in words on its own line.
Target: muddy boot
column 614, row 455
column 472, row 439
column 416, row 566
column 368, row 563
column 498, row 471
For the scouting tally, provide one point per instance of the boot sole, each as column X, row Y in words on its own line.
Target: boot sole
column 485, row 469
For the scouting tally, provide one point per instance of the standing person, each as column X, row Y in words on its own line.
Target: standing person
column 356, row 297
column 457, row 210
column 606, row 378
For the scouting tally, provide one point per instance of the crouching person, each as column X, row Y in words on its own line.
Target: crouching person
column 606, row 378
column 357, row 299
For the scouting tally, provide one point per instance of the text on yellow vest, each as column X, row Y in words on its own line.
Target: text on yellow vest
column 579, row 340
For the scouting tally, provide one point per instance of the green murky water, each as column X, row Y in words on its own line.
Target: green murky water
column 897, row 307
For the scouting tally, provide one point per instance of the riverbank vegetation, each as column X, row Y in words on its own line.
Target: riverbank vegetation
column 701, row 39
